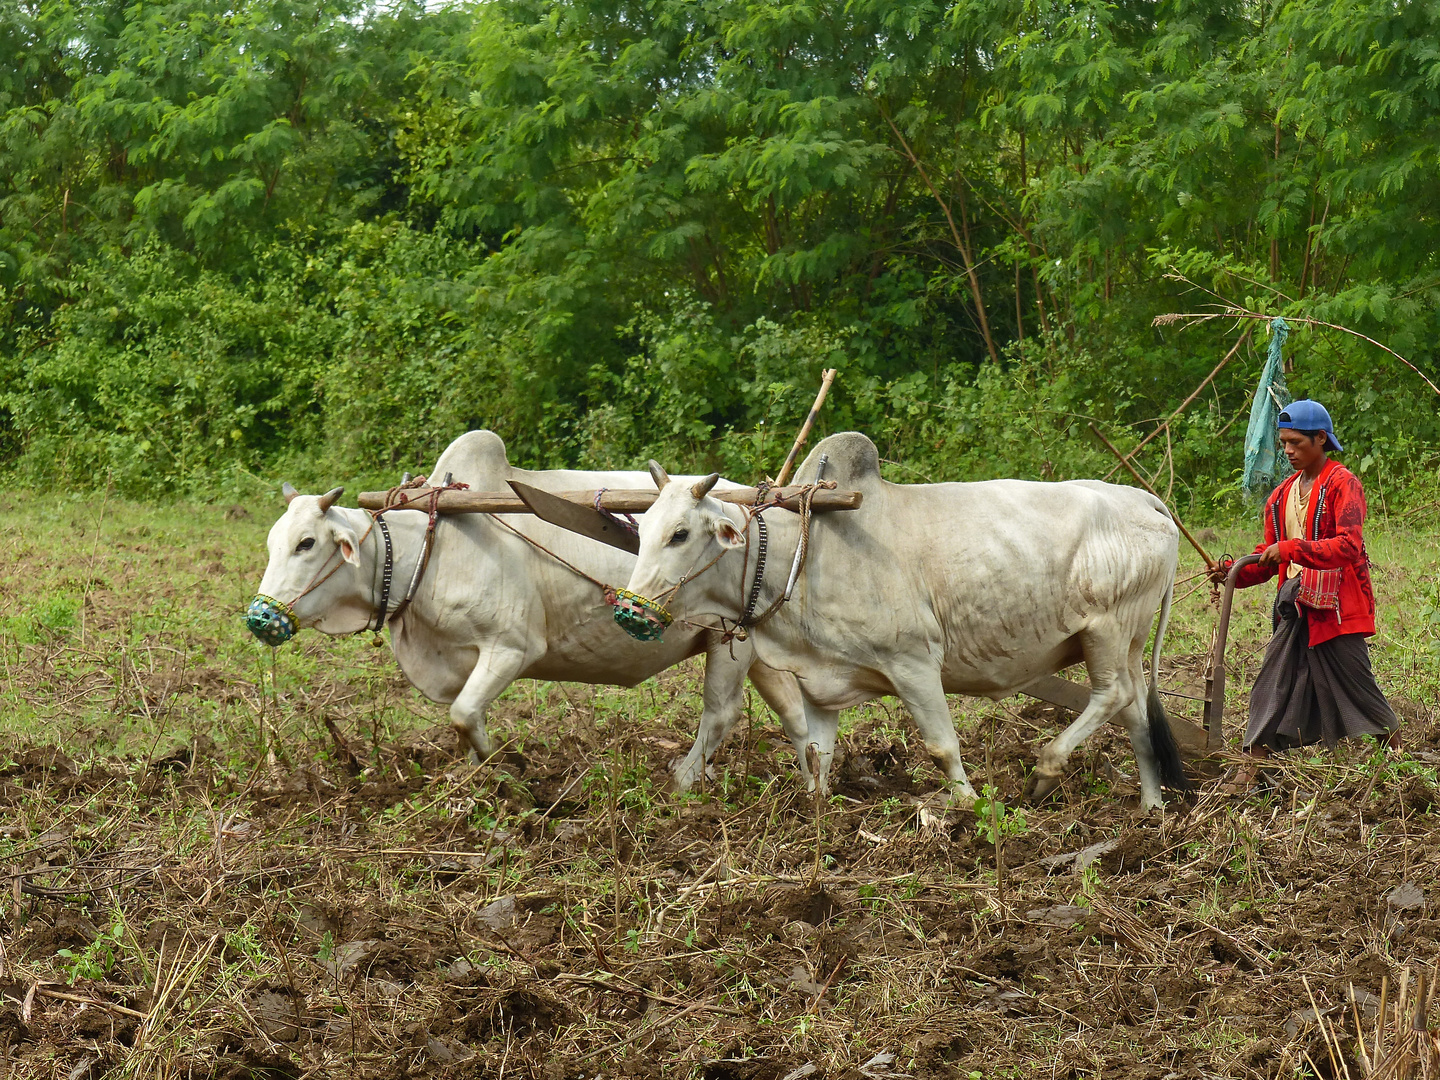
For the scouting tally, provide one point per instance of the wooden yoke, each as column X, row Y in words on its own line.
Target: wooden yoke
column 615, row 500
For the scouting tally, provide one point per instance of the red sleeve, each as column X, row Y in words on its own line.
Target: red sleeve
column 1347, row 499
column 1255, row 574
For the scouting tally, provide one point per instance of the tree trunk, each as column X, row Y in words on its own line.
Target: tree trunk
column 962, row 243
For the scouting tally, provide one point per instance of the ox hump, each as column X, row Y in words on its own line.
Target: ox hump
column 853, row 462
column 476, row 458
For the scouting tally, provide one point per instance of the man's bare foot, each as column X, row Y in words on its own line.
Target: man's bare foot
column 1246, row 776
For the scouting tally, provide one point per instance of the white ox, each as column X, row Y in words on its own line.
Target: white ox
column 931, row 589
column 491, row 608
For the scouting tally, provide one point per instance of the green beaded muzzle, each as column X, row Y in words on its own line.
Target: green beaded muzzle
column 639, row 616
column 270, row 620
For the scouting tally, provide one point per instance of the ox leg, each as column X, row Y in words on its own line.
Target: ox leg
column 924, row 696
column 1137, row 720
column 1110, row 689
column 496, row 669
column 781, row 691
column 821, row 726
column 724, row 692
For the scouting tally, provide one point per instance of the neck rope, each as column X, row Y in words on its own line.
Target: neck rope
column 738, row 629
column 395, row 499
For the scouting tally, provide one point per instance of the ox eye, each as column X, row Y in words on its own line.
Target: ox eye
column 681, row 535
column 305, row 545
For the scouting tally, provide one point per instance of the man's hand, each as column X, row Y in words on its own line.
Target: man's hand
column 1270, row 556
column 1220, row 570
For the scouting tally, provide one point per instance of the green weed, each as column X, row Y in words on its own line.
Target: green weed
column 97, row 959
column 992, row 815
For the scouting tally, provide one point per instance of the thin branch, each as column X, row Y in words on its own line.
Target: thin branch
column 1165, row 426
column 1234, row 311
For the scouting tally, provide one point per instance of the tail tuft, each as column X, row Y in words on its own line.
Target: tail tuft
column 1162, row 743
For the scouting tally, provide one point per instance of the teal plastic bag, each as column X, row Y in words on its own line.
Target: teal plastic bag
column 1262, row 438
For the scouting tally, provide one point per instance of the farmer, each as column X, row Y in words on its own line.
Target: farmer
column 1316, row 683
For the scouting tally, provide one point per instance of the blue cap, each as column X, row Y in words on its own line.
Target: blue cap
column 1309, row 416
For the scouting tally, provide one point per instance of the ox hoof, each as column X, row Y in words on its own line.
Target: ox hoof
column 686, row 773
column 483, row 746
column 1040, row 787
column 481, row 757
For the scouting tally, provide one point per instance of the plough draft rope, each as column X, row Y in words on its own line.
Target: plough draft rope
column 647, row 619
column 274, row 620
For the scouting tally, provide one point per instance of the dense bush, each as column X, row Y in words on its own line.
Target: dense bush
column 324, row 238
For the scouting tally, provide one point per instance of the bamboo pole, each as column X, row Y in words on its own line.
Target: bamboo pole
column 826, row 378
column 1233, row 311
column 1209, row 562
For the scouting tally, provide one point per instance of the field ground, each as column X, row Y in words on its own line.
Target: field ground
column 217, row 867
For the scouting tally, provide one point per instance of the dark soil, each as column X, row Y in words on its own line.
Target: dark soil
column 216, row 868
column 183, row 918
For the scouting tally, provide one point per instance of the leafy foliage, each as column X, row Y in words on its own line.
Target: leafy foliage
column 319, row 235
column 994, row 819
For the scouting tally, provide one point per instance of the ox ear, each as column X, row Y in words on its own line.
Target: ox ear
column 728, row 533
column 348, row 544
column 289, row 492
column 328, row 499
column 658, row 474
column 702, row 486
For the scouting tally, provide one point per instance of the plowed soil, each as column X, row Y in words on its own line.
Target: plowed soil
column 424, row 918
column 326, row 888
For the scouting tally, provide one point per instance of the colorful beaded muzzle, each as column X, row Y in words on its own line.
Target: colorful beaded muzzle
column 270, row 620
column 640, row 617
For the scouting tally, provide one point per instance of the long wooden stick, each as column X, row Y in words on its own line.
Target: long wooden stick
column 1187, row 402
column 1209, row 562
column 616, row 500
column 826, row 378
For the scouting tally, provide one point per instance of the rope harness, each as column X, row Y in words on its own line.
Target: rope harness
column 731, row 630
column 274, row 621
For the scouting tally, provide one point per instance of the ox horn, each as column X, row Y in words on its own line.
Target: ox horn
column 658, row 474
column 328, row 499
column 289, row 492
column 702, row 486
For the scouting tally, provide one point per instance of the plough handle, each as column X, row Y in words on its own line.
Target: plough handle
column 1215, row 679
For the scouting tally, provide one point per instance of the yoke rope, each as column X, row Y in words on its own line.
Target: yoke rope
column 607, row 590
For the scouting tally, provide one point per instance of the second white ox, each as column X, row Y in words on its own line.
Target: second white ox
column 492, row 608
column 931, row 589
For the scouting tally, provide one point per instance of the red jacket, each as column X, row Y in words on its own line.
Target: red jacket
column 1336, row 518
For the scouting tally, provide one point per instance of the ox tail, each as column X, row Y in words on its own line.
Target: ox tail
column 1162, row 739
